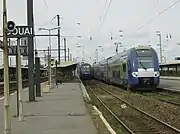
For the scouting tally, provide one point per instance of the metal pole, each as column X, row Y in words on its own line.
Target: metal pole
column 7, row 122
column 160, row 45
column 68, row 55
column 9, row 58
column 97, row 55
column 38, row 80
column 83, row 52
column 116, row 44
column 50, row 58
column 56, row 75
column 30, row 52
column 65, row 49
column 48, row 67
column 19, row 82
column 59, row 43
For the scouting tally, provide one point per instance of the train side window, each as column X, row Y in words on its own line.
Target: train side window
column 124, row 67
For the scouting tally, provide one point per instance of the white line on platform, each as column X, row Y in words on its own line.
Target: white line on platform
column 2, row 98
column 104, row 121
column 172, row 89
column 10, row 94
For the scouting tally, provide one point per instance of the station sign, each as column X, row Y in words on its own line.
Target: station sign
column 20, row 32
column 12, row 50
column 14, row 31
column 24, row 41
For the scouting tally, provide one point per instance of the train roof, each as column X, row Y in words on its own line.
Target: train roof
column 123, row 54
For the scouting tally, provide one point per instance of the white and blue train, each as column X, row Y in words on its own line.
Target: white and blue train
column 84, row 71
column 136, row 68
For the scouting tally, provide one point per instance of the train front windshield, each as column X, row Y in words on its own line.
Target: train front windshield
column 145, row 59
column 86, row 68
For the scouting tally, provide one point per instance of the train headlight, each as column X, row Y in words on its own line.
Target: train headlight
column 156, row 74
column 135, row 74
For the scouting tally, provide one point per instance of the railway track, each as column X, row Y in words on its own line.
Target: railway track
column 12, row 85
column 133, row 119
column 162, row 95
column 171, row 98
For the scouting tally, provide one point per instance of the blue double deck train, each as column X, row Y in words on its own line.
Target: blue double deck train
column 136, row 68
column 85, row 71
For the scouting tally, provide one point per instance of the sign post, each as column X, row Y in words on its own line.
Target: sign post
column 18, row 32
column 7, row 119
column 19, row 81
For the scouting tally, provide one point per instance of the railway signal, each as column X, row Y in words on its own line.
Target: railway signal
column 10, row 26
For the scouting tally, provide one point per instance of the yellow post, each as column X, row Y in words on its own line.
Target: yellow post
column 19, row 82
column 7, row 123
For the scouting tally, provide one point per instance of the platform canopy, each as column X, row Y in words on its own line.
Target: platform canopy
column 177, row 63
column 22, row 67
column 65, row 64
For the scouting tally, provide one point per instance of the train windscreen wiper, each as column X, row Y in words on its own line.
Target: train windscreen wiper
column 143, row 65
column 141, row 62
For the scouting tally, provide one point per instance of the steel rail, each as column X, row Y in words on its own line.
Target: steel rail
column 163, row 100
column 158, row 120
column 112, row 113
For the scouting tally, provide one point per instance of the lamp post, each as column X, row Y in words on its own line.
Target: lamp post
column 160, row 45
column 81, row 46
column 49, row 50
column 117, row 46
column 97, row 55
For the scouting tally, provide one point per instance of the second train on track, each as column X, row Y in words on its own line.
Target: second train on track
column 136, row 69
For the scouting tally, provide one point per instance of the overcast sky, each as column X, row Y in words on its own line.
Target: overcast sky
column 125, row 15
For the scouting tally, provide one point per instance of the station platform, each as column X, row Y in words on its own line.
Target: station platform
column 170, row 78
column 61, row 111
column 170, row 84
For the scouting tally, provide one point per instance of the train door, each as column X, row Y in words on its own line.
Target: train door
column 110, row 71
column 124, row 70
column 111, row 74
column 121, row 70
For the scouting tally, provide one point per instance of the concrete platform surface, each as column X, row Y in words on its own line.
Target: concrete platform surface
column 170, row 77
column 62, row 111
column 169, row 84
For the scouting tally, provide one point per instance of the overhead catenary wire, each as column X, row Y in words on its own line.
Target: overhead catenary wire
column 151, row 20
column 51, row 21
column 103, row 7
column 103, row 18
column 46, row 4
column 155, row 17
